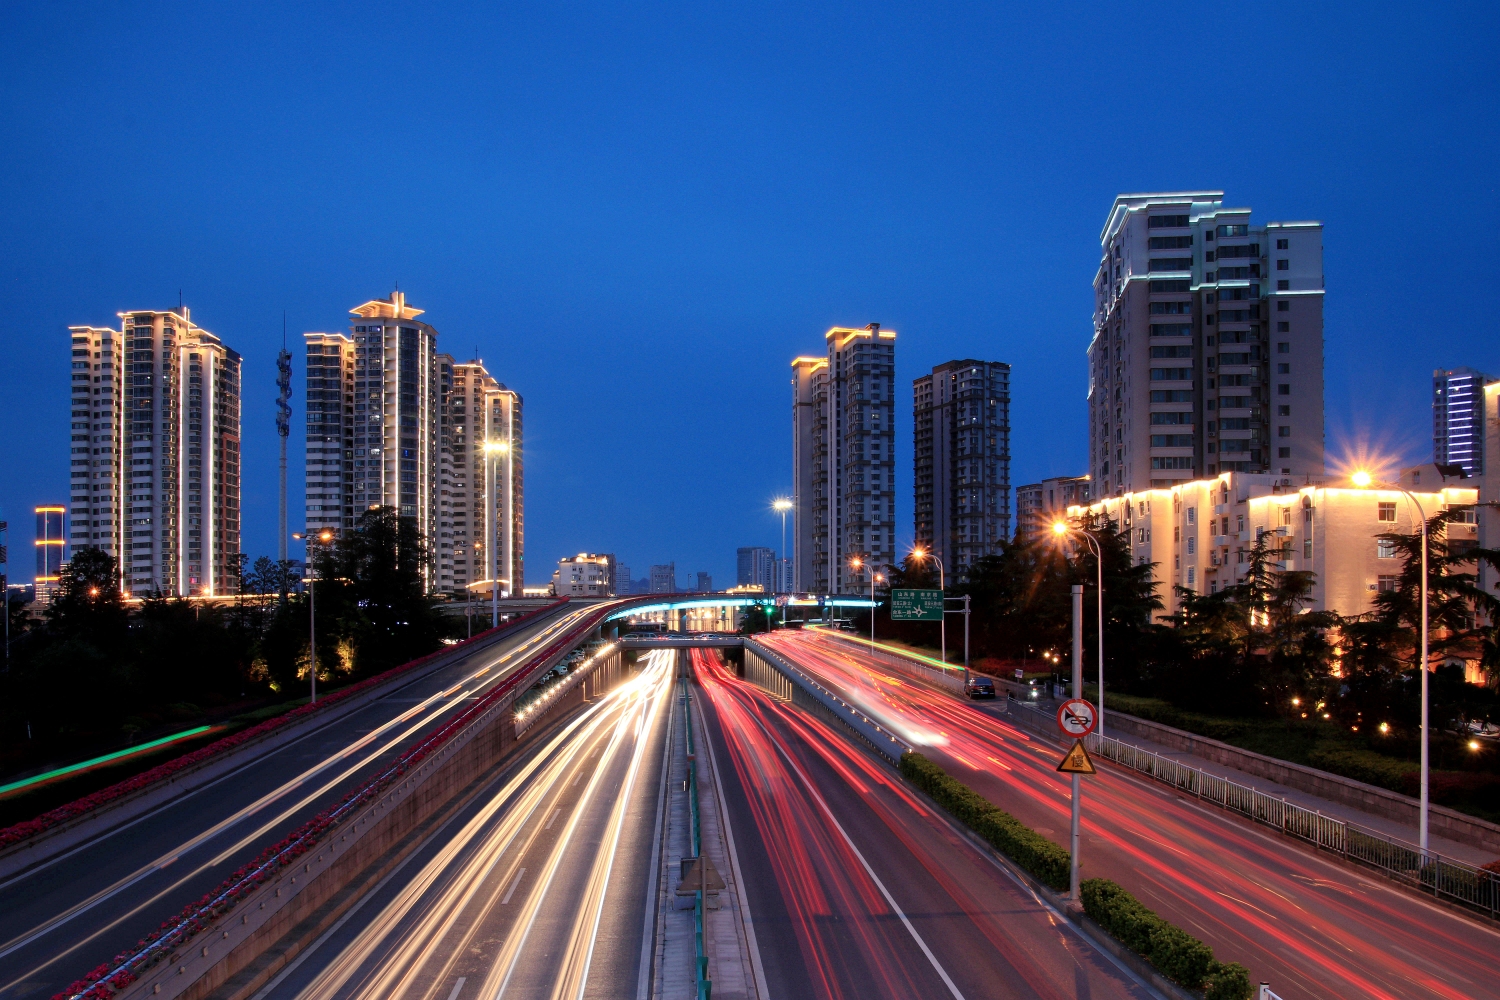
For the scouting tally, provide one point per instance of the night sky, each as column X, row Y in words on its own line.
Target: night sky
column 639, row 214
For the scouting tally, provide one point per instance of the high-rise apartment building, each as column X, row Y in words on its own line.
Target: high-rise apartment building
column 623, row 585
column 1458, row 419
column 482, row 499
column 1207, row 355
column 1039, row 504
column 664, row 578
column 156, row 428
column 51, row 550
column 961, row 459
column 843, row 458
column 755, row 567
column 392, row 423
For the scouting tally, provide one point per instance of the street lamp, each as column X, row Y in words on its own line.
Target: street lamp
column 875, row 578
column 1062, row 529
column 919, row 554
column 781, row 505
column 1363, row 480
column 493, row 450
column 324, row 537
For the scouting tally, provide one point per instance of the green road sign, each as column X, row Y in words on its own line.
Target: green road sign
column 917, row 605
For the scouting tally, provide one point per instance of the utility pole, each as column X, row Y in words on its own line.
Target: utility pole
column 1077, row 779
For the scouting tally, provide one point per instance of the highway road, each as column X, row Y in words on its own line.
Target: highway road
column 1312, row 926
column 857, row 889
column 538, row 889
column 66, row 916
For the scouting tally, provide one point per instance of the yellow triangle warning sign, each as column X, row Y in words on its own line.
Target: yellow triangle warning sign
column 1076, row 760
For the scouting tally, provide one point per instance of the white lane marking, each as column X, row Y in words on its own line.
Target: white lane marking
column 552, row 819
column 653, row 880
column 509, row 893
column 807, row 782
column 460, row 984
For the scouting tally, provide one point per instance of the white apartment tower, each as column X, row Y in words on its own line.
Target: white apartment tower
column 1207, row 352
column 483, row 495
column 156, row 452
column 961, row 461
column 843, row 449
column 392, row 423
column 1458, row 419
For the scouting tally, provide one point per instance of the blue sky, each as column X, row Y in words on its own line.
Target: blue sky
column 640, row 213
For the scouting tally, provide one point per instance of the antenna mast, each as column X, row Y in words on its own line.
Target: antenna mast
column 283, row 428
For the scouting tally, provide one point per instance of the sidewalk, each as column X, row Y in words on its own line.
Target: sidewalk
column 1376, row 824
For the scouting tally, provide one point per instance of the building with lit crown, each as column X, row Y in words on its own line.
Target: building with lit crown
column 482, row 502
column 584, row 575
column 843, row 460
column 155, row 443
column 1207, row 350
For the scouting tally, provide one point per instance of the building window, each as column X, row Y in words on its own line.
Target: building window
column 1283, row 285
column 1284, row 347
column 1282, row 244
column 1192, row 544
column 1283, row 369
column 1284, row 431
column 1283, row 389
column 1282, row 264
column 1283, row 453
column 1387, row 512
column 1283, row 411
column 1283, row 306
column 1283, row 327
column 1192, row 576
column 1387, row 584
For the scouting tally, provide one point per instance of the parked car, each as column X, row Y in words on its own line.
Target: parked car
column 979, row 686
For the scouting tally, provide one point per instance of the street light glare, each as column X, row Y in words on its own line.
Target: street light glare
column 491, row 447
column 781, row 503
column 919, row 553
column 1059, row 528
column 1362, row 479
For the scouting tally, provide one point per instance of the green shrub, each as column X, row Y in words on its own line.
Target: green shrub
column 1174, row 952
column 1023, row 845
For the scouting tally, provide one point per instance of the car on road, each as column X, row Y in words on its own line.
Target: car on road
column 979, row 686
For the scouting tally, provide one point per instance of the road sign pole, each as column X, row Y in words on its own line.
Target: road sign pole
column 1077, row 779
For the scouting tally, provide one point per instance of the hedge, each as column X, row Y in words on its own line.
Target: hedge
column 1174, row 952
column 1023, row 845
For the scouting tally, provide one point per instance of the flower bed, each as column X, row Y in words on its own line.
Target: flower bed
column 105, row 981
column 81, row 807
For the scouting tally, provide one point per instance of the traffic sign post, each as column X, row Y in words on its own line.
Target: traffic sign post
column 1077, row 761
column 1073, row 893
column 1077, row 718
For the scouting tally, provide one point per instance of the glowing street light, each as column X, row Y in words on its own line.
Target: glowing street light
column 1062, row 529
column 324, row 537
column 781, row 505
column 1363, row 480
column 919, row 554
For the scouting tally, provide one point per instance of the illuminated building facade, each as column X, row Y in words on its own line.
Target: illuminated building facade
column 484, row 499
column 961, row 460
column 1207, row 352
column 1458, row 423
column 584, row 575
column 843, row 450
column 392, row 423
column 1197, row 535
column 156, row 453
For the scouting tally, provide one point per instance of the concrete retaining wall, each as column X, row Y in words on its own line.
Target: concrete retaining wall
column 948, row 680
column 770, row 670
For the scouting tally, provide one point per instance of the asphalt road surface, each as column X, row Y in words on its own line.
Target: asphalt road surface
column 858, row 890
column 1312, row 926
column 63, row 918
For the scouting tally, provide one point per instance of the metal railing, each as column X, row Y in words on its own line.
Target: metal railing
column 1265, row 993
column 1445, row 878
column 705, row 986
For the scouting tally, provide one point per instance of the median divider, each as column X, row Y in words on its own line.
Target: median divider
column 36, row 840
column 297, row 887
column 1174, row 952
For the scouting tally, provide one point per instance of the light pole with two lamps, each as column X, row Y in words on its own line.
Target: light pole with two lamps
column 1062, row 529
column 324, row 537
column 875, row 578
column 1363, row 480
column 920, row 554
column 781, row 505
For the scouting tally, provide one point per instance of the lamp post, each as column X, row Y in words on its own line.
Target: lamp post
column 324, row 537
column 1077, row 817
column 492, row 450
column 1061, row 529
column 1363, row 480
column 781, row 505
